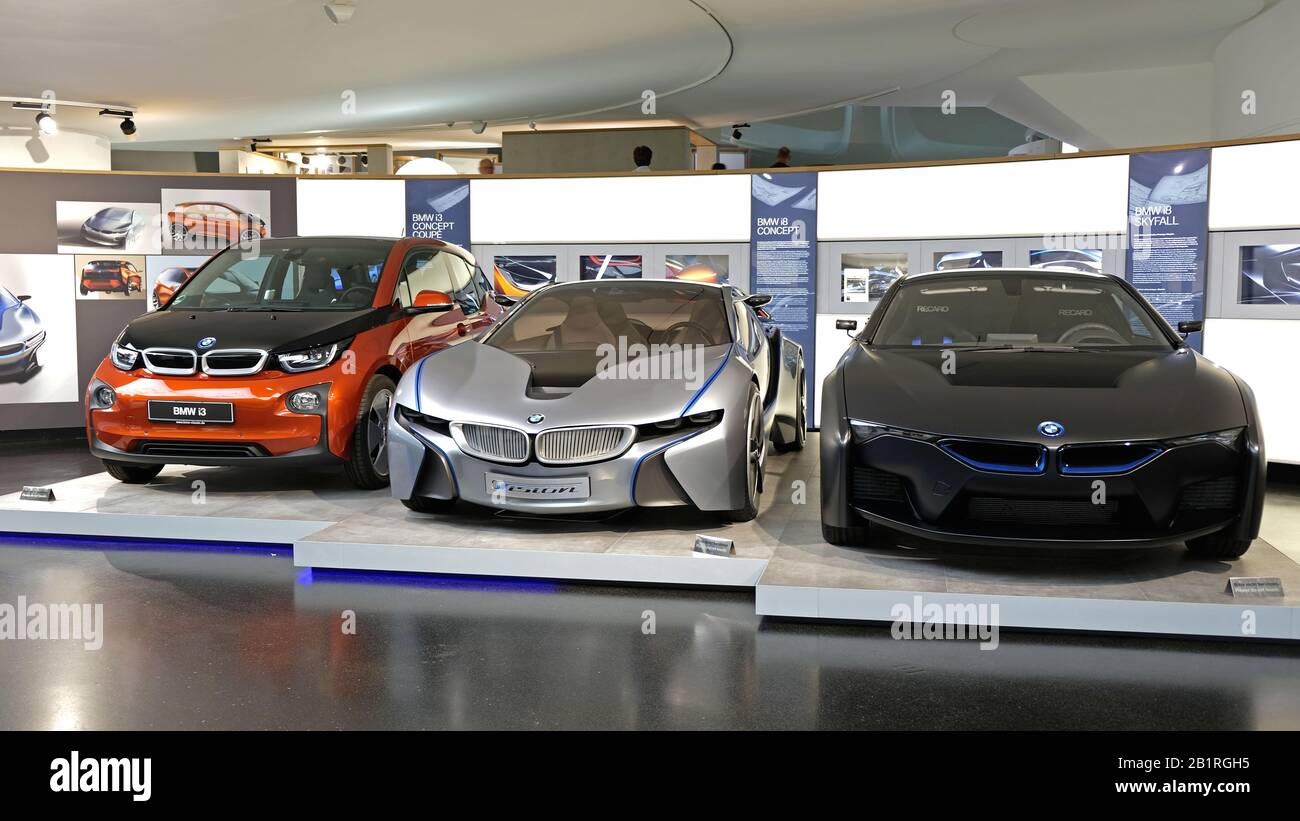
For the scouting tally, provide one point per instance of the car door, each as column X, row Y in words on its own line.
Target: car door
column 754, row 343
column 470, row 294
column 428, row 269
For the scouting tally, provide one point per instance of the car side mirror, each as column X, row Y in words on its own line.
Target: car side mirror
column 1189, row 327
column 431, row 302
column 849, row 326
column 504, row 301
column 24, row 297
column 758, row 300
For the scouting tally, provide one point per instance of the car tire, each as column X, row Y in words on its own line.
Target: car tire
column 1218, row 546
column 177, row 232
column 367, row 464
column 423, row 504
column 846, row 536
column 131, row 474
column 755, row 460
column 83, row 290
column 800, row 417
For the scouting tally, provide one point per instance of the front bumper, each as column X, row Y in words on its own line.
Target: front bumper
column 20, row 361
column 916, row 487
column 426, row 462
column 113, row 238
column 264, row 430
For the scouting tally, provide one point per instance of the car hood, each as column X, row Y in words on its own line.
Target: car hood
column 1094, row 395
column 113, row 219
column 480, row 383
column 274, row 331
column 17, row 322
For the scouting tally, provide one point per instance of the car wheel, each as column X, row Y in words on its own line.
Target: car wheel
column 846, row 536
column 755, row 459
column 800, row 417
column 178, row 232
column 423, row 504
column 367, row 465
column 83, row 290
column 131, row 474
column 1217, row 546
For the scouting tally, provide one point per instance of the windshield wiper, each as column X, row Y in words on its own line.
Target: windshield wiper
column 263, row 308
column 1020, row 348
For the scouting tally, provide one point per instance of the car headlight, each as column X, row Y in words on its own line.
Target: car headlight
column 34, row 340
column 309, row 359
column 864, row 432
column 1230, row 439
column 125, row 357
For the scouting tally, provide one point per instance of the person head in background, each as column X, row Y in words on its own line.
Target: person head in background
column 486, row 166
column 719, row 166
column 641, row 155
column 782, row 158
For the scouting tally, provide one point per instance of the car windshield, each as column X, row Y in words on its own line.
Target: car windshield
column 289, row 275
column 1017, row 310
column 585, row 317
column 7, row 300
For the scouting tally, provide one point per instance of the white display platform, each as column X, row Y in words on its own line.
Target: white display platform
column 780, row 555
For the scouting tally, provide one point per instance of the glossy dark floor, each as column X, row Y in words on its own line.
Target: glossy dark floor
column 241, row 639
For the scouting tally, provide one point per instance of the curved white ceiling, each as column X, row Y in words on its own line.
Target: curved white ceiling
column 204, row 72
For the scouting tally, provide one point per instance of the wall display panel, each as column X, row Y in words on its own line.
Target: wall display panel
column 38, row 330
column 204, row 220
column 1032, row 197
column 955, row 256
column 1259, row 351
column 852, row 276
column 438, row 209
column 723, row 263
column 610, row 266
column 1255, row 275
column 516, row 270
column 109, row 276
column 165, row 274
column 127, row 227
column 372, row 208
column 1254, row 186
column 634, row 209
column 1095, row 254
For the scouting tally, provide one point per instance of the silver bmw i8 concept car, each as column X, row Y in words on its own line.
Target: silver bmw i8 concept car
column 600, row 395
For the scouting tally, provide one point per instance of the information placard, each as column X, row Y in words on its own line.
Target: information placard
column 438, row 209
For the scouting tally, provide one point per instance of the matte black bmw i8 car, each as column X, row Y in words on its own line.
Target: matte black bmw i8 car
column 1033, row 407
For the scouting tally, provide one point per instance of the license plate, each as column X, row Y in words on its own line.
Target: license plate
column 191, row 413
column 538, row 489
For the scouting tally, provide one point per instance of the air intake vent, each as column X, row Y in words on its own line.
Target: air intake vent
column 492, row 442
column 877, row 485
column 1214, row 494
column 997, row 457
column 569, row 446
column 1097, row 460
column 211, row 450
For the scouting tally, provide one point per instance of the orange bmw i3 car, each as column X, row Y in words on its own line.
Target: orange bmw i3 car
column 218, row 221
column 288, row 355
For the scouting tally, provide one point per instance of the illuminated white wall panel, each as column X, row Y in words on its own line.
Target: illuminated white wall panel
column 1260, row 352
column 365, row 208
column 1082, row 195
column 1254, row 186
column 711, row 208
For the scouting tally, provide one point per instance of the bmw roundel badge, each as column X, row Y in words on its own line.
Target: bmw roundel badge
column 537, row 418
column 207, row 342
column 1050, row 428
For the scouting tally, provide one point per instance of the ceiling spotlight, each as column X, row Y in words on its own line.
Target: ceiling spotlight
column 736, row 133
column 532, row 124
column 478, row 126
column 46, row 124
column 340, row 11
column 128, row 126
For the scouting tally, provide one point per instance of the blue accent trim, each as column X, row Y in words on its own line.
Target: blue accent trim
column 1039, row 467
column 419, row 370
column 1107, row 469
column 517, row 584
column 637, row 467
column 705, row 387
column 74, row 542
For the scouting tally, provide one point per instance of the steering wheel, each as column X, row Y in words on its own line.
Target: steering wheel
column 365, row 290
column 685, row 324
column 1091, row 330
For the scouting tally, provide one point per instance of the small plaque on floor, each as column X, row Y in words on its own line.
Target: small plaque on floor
column 31, row 493
column 714, row 546
column 1254, row 586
